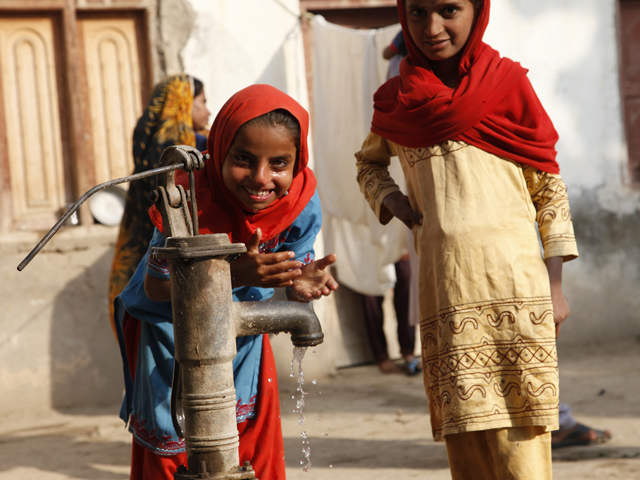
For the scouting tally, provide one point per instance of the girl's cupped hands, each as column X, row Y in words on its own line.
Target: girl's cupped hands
column 266, row 270
column 314, row 281
column 273, row 270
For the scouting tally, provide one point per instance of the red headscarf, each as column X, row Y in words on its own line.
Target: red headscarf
column 494, row 106
column 218, row 209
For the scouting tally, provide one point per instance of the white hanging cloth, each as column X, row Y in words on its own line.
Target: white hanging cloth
column 348, row 68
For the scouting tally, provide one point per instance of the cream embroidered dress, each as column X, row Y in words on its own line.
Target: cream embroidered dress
column 488, row 337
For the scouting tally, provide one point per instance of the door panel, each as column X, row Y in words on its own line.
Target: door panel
column 630, row 70
column 30, row 100
column 113, row 79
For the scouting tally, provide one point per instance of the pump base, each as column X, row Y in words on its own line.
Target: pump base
column 245, row 472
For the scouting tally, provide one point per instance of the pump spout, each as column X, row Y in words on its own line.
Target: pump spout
column 253, row 318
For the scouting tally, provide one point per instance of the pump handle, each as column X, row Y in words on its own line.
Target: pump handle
column 190, row 162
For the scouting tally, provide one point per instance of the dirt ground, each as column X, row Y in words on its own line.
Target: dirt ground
column 360, row 425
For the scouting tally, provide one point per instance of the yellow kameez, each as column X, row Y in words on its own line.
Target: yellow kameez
column 488, row 338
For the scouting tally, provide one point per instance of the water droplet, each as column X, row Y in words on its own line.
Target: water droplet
column 270, row 380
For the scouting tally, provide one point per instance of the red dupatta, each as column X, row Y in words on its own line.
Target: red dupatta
column 494, row 106
column 218, row 210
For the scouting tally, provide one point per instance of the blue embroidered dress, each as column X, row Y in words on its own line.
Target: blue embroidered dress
column 147, row 402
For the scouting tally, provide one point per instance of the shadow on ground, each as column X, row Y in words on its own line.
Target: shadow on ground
column 370, row 454
column 70, row 451
column 592, row 452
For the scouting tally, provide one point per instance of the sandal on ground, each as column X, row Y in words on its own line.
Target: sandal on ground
column 413, row 367
column 577, row 436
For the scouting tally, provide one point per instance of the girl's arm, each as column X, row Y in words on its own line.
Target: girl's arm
column 549, row 197
column 560, row 305
column 293, row 262
column 379, row 189
column 156, row 280
column 157, row 289
column 250, row 269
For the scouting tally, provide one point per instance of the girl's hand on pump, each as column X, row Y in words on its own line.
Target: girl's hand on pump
column 267, row 270
column 314, row 282
column 398, row 204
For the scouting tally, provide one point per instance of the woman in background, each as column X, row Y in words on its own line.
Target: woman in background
column 176, row 111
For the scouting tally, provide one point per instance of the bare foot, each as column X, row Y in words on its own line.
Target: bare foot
column 388, row 366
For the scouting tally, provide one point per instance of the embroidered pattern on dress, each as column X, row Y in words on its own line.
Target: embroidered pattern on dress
column 373, row 179
column 480, row 368
column 549, row 196
column 158, row 265
column 272, row 244
column 415, row 155
column 148, row 439
column 245, row 411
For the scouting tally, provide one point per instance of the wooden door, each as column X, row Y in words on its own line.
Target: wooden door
column 113, row 79
column 630, row 72
column 29, row 99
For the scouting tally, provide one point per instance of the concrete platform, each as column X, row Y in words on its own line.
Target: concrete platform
column 360, row 425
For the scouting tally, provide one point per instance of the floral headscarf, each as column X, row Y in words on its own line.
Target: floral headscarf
column 165, row 121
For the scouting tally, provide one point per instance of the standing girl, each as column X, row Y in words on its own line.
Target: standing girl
column 258, row 189
column 478, row 153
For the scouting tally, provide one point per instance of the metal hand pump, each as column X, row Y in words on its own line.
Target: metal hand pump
column 206, row 322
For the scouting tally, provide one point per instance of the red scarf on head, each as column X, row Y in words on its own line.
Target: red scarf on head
column 218, row 209
column 494, row 106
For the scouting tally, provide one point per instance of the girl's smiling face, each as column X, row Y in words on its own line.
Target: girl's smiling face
column 440, row 28
column 258, row 168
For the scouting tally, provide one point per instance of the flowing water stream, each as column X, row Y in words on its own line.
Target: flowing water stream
column 298, row 355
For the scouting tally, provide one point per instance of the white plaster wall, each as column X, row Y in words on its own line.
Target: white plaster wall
column 570, row 48
column 236, row 43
